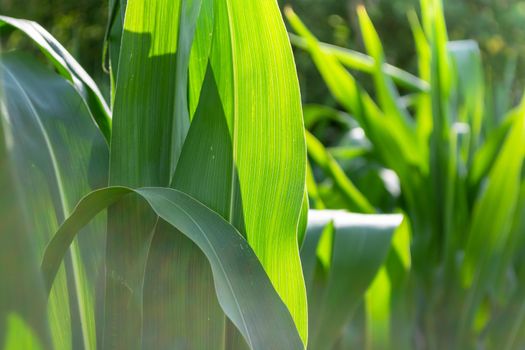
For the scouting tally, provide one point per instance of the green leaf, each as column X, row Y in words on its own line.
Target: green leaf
column 314, row 114
column 179, row 302
column 149, row 128
column 466, row 59
column 388, row 95
column 508, row 324
column 20, row 335
column 364, row 63
column 313, row 191
column 377, row 302
column 68, row 67
column 492, row 219
column 243, row 288
column 485, row 155
column 56, row 154
column 393, row 141
column 423, row 117
column 200, row 53
column 22, row 296
column 257, row 149
column 354, row 199
column 250, row 148
column 359, row 247
column 113, row 40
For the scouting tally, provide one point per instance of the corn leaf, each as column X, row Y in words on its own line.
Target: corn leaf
column 391, row 140
column 231, row 137
column 357, row 250
column 260, row 151
column 22, row 296
column 354, row 199
column 492, row 218
column 388, row 95
column 243, row 288
column 147, row 138
column 68, row 67
column 484, row 157
column 466, row 58
column 56, row 153
column 361, row 62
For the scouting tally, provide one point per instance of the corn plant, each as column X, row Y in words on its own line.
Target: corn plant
column 200, row 160
column 342, row 257
column 452, row 166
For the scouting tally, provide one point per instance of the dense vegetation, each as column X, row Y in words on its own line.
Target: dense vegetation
column 189, row 199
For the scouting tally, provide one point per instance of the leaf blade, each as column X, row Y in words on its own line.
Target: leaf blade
column 244, row 302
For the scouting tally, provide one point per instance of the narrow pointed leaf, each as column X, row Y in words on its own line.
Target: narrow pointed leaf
column 355, row 200
column 361, row 62
column 492, row 219
column 69, row 68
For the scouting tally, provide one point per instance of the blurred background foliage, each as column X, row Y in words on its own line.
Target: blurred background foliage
column 496, row 24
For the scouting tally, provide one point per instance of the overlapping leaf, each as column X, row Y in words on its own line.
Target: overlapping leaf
column 55, row 154
column 68, row 67
column 346, row 266
column 243, row 288
column 249, row 98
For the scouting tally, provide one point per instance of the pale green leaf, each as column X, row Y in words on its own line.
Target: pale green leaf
column 56, row 154
column 360, row 245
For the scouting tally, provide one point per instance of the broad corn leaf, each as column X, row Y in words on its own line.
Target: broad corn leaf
column 147, row 138
column 269, row 150
column 355, row 254
column 56, row 153
column 256, row 150
column 242, row 286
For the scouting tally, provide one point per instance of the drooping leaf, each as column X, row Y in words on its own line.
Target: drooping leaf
column 22, row 296
column 360, row 245
column 56, row 154
column 68, row 67
column 248, row 157
column 243, row 288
